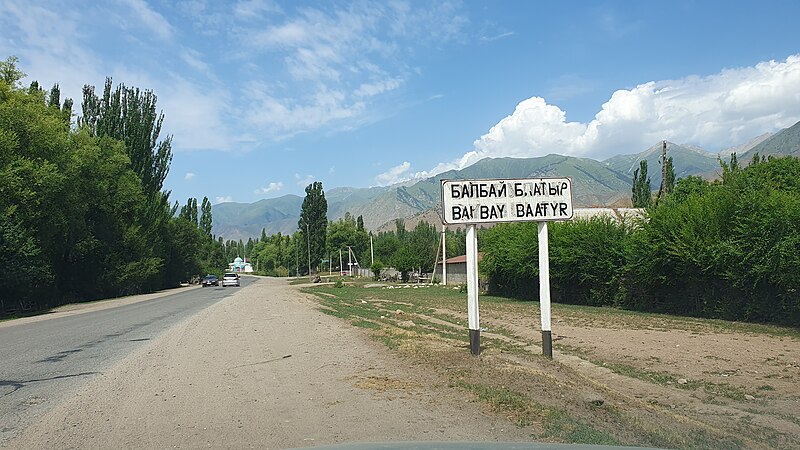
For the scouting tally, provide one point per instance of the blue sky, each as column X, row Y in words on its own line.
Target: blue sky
column 262, row 96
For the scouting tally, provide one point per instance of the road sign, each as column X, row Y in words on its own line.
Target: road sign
column 506, row 200
column 471, row 202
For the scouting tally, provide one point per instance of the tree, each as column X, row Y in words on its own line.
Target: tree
column 313, row 223
column 641, row 192
column 360, row 223
column 404, row 260
column 189, row 211
column 669, row 185
column 205, row 217
column 129, row 115
column 9, row 72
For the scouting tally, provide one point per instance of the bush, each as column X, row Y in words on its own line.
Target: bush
column 728, row 249
column 376, row 268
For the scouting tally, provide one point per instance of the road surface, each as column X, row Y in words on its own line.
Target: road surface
column 43, row 361
column 263, row 369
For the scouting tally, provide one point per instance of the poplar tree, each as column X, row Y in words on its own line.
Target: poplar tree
column 129, row 115
column 641, row 193
column 314, row 221
column 206, row 222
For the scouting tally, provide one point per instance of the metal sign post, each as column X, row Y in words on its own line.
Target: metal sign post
column 544, row 290
column 472, row 292
column 541, row 200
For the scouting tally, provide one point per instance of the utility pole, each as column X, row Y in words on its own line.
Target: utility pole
column 340, row 262
column 308, row 243
column 349, row 262
column 371, row 252
column 663, row 188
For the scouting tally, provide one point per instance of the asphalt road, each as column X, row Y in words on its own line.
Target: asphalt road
column 43, row 362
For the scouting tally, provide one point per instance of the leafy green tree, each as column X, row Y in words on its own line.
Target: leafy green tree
column 9, row 73
column 376, row 269
column 404, row 261
column 641, row 192
column 669, row 185
column 423, row 241
column 129, row 115
column 313, row 223
column 206, row 220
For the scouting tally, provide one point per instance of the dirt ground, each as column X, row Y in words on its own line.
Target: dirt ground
column 625, row 377
column 732, row 383
column 266, row 369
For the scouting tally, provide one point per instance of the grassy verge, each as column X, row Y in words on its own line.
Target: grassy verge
column 428, row 324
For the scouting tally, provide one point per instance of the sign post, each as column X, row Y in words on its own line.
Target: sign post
column 472, row 292
column 471, row 202
column 544, row 290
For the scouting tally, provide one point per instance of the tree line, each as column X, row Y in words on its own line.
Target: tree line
column 726, row 249
column 82, row 211
column 319, row 242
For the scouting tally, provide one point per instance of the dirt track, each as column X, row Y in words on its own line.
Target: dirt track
column 263, row 369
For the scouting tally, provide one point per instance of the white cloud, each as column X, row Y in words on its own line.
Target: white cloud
column 332, row 170
column 254, row 9
column 394, row 175
column 150, row 19
column 194, row 114
column 271, row 187
column 189, row 176
column 379, row 87
column 497, row 36
column 303, row 181
column 194, row 59
column 224, row 199
column 713, row 112
column 284, row 117
column 341, row 59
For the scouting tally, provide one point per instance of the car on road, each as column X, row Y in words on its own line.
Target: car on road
column 210, row 280
column 230, row 279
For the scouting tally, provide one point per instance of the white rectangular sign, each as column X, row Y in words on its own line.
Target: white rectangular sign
column 506, row 200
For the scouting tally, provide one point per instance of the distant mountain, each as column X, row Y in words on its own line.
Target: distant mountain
column 688, row 160
column 744, row 148
column 244, row 220
column 783, row 143
column 595, row 183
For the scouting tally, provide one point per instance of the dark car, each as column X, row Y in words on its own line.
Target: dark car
column 210, row 280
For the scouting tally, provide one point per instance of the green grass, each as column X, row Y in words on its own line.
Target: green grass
column 666, row 378
column 366, row 324
column 557, row 424
column 446, row 297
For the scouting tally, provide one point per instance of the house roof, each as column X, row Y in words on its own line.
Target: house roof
column 461, row 259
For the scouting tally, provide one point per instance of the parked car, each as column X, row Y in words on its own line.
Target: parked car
column 210, row 280
column 230, row 279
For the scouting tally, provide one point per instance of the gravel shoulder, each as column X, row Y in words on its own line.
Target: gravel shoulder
column 264, row 368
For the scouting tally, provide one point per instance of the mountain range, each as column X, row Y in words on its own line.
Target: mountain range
column 595, row 183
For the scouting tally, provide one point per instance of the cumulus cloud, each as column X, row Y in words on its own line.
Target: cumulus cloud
column 713, row 112
column 399, row 174
column 271, row 187
column 223, row 199
column 189, row 176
